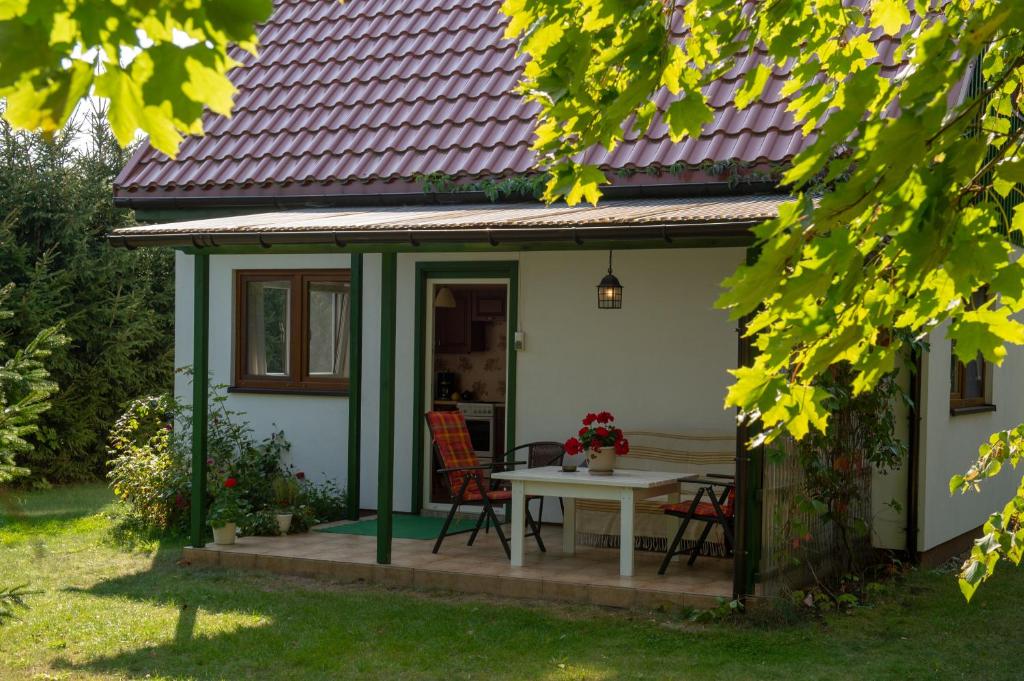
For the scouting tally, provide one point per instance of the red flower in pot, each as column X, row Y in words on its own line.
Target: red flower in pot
column 600, row 441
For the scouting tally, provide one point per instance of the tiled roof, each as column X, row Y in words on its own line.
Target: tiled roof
column 361, row 97
column 486, row 223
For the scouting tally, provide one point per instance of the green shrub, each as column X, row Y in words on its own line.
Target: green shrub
column 116, row 305
column 151, row 468
column 149, row 474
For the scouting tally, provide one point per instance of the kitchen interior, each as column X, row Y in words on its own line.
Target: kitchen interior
column 470, row 354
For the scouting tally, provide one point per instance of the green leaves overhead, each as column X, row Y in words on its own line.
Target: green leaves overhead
column 898, row 214
column 160, row 63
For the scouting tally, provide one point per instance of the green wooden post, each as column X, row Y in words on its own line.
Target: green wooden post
column 200, row 388
column 386, row 450
column 749, row 481
column 355, row 364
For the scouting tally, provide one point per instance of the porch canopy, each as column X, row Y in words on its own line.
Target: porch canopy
column 720, row 218
column 637, row 223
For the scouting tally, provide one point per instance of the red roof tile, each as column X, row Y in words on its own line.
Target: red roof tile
column 363, row 96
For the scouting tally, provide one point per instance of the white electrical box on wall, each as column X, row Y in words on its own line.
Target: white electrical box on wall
column 520, row 341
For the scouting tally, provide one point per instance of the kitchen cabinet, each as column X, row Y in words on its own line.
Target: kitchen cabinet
column 455, row 331
column 489, row 304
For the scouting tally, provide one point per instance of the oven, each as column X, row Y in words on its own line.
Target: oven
column 480, row 424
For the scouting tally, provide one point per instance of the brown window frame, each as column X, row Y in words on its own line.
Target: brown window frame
column 298, row 379
column 957, row 402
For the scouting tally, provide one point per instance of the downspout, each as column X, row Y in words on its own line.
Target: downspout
column 914, row 454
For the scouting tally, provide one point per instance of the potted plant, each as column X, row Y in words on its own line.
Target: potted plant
column 227, row 509
column 286, row 491
column 601, row 441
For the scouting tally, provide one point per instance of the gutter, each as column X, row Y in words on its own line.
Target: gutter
column 914, row 455
column 736, row 229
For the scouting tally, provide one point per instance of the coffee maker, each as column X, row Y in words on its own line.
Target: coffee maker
column 445, row 385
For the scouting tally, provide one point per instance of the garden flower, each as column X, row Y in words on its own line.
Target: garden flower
column 300, row 475
column 573, row 446
column 230, row 482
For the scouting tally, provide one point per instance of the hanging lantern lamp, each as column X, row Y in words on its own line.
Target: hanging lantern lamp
column 609, row 291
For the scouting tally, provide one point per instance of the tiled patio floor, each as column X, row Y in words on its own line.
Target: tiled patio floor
column 590, row 576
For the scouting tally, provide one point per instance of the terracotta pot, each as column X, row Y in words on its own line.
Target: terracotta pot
column 284, row 522
column 601, row 462
column 224, row 535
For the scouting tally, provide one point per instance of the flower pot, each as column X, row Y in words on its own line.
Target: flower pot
column 225, row 534
column 284, row 522
column 601, row 462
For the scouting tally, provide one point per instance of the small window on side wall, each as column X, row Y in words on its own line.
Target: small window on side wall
column 292, row 330
column 970, row 382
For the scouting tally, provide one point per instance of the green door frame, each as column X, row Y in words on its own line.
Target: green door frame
column 479, row 269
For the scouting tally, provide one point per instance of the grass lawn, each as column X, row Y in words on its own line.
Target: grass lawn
column 108, row 613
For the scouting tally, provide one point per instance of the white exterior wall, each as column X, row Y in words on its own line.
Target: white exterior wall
column 316, row 426
column 949, row 444
column 659, row 363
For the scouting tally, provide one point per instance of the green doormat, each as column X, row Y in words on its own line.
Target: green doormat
column 402, row 527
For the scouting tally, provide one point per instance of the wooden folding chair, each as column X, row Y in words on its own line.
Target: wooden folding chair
column 720, row 509
column 467, row 480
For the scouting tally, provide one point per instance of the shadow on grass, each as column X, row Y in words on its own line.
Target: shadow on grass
column 236, row 625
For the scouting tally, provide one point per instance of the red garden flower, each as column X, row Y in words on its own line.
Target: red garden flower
column 602, row 432
column 605, row 417
column 617, row 433
column 573, row 446
column 583, row 431
column 300, row 475
column 230, row 482
column 622, row 447
column 589, row 419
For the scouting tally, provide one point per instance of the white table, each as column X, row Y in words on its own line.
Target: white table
column 626, row 486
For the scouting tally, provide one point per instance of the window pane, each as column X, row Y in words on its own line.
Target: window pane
column 267, row 317
column 954, row 376
column 328, row 329
column 974, row 379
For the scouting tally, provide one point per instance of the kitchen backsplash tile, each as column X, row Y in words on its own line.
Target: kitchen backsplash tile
column 483, row 373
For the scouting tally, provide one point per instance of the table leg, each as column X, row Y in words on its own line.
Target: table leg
column 518, row 521
column 671, row 522
column 569, row 526
column 626, row 538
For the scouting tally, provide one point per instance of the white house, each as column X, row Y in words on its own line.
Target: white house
column 340, row 300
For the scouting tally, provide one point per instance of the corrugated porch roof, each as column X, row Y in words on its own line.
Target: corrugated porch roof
column 655, row 219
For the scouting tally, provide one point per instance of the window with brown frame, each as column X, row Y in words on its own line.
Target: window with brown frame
column 969, row 382
column 292, row 330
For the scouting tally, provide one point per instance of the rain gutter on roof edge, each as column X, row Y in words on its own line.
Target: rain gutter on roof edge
column 736, row 229
column 646, row 191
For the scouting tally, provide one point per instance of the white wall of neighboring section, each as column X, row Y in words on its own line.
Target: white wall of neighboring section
column 949, row 444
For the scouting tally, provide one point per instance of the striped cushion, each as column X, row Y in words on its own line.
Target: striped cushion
column 448, row 428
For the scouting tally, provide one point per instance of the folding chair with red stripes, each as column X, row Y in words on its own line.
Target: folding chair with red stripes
column 467, row 479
